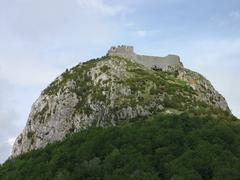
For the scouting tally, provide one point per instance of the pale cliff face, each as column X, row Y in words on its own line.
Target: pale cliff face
column 107, row 92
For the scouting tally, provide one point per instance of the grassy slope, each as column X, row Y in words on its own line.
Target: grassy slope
column 185, row 146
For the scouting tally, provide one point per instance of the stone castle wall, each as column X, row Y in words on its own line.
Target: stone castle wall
column 123, row 51
column 168, row 63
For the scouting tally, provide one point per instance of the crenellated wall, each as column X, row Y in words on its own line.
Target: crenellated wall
column 168, row 63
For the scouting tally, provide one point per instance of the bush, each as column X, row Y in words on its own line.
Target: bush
column 160, row 147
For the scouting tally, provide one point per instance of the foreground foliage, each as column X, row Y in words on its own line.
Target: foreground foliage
column 160, row 147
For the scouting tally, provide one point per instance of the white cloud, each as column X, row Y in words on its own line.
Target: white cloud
column 8, row 119
column 5, row 150
column 234, row 14
column 129, row 24
column 226, row 20
column 46, row 23
column 28, row 71
column 101, row 7
column 141, row 33
column 145, row 33
column 219, row 21
column 34, row 34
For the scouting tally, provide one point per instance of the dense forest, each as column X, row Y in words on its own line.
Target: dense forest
column 159, row 147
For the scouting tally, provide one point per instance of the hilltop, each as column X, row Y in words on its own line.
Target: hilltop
column 112, row 90
column 128, row 116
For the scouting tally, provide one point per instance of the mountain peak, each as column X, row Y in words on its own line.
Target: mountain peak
column 112, row 90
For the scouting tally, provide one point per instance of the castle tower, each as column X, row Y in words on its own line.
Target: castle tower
column 123, row 51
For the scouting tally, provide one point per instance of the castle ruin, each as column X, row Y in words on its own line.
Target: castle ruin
column 168, row 63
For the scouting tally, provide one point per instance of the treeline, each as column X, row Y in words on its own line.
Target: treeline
column 160, row 147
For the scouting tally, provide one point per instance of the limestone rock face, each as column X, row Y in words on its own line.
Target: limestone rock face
column 204, row 88
column 110, row 91
column 48, row 121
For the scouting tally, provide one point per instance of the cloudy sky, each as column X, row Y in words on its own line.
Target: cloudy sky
column 39, row 39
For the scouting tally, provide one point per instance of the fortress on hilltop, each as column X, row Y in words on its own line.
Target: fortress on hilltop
column 168, row 63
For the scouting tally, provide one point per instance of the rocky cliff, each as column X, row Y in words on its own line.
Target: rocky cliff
column 109, row 91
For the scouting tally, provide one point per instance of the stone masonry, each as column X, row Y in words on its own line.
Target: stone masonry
column 168, row 63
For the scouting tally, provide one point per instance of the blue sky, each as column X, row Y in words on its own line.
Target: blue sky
column 39, row 39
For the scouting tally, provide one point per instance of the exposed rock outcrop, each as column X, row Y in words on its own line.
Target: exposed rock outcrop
column 110, row 91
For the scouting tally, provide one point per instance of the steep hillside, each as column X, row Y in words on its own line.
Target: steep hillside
column 109, row 91
column 186, row 146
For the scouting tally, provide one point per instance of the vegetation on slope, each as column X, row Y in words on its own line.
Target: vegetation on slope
column 186, row 146
column 145, row 87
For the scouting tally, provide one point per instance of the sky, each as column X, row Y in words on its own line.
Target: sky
column 39, row 39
